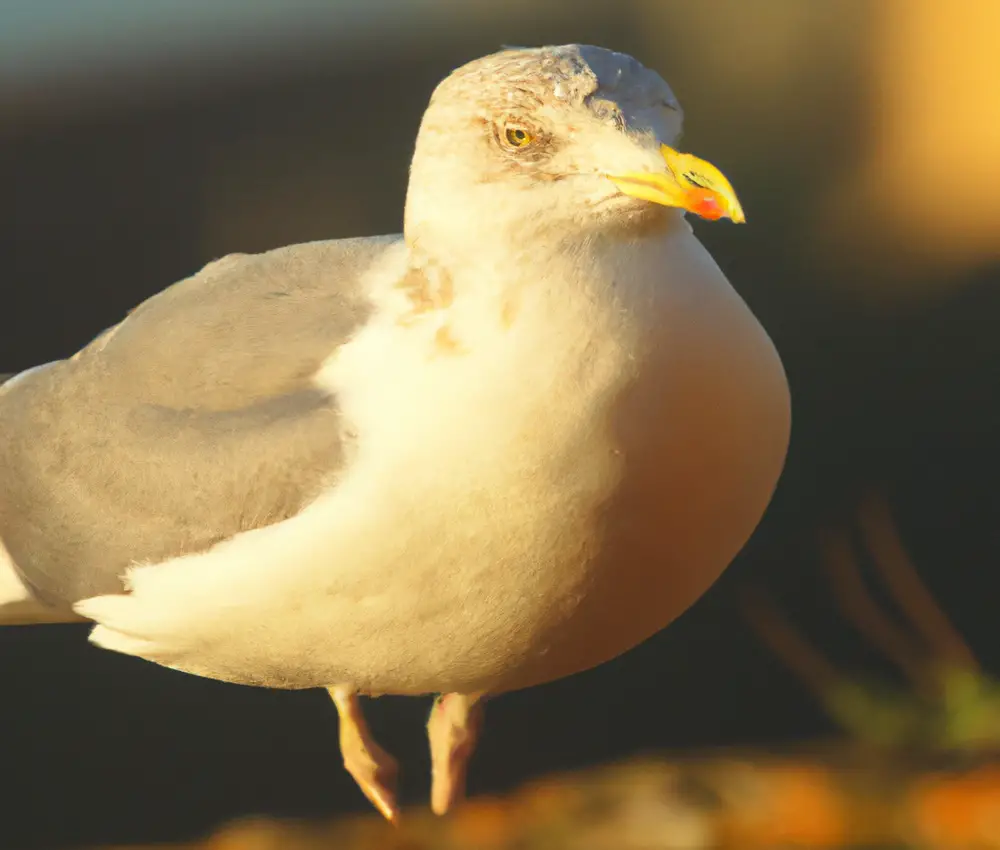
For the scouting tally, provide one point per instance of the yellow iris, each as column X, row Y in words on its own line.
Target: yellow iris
column 518, row 137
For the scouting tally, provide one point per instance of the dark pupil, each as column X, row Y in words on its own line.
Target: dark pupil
column 518, row 135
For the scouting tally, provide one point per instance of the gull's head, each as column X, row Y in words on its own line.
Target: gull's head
column 527, row 138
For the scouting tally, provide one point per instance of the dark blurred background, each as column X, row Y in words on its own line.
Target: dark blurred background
column 139, row 140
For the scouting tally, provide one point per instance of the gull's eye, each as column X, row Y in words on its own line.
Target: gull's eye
column 518, row 137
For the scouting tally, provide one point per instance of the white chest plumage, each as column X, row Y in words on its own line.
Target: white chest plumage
column 520, row 448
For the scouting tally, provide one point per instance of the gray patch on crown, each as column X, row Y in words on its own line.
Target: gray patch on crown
column 571, row 73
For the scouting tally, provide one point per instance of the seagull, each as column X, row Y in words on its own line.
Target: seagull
column 500, row 448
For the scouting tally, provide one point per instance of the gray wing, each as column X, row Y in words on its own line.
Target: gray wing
column 192, row 420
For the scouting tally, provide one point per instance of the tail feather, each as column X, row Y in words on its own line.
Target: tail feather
column 18, row 606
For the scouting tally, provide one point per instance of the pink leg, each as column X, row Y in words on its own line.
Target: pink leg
column 372, row 767
column 453, row 730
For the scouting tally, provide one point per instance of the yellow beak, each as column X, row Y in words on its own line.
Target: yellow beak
column 689, row 183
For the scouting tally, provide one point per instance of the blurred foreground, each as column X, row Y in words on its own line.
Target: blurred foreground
column 729, row 801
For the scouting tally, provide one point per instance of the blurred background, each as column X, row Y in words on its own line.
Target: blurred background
column 139, row 140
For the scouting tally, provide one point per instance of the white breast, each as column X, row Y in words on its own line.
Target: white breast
column 580, row 439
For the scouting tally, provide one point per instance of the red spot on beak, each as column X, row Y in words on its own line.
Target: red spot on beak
column 706, row 204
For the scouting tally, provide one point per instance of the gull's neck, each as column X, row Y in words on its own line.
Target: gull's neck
column 474, row 243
